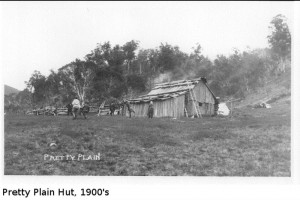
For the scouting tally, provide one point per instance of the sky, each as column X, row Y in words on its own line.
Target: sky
column 47, row 35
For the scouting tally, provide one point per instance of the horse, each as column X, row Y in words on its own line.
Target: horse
column 113, row 107
column 123, row 106
column 83, row 110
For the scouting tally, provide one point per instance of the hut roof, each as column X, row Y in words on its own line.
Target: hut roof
column 169, row 90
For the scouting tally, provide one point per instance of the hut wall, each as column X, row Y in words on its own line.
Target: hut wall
column 202, row 94
column 173, row 107
column 179, row 101
column 204, row 99
column 139, row 109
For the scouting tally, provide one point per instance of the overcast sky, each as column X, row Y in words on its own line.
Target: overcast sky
column 47, row 35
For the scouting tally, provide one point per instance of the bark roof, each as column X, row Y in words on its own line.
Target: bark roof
column 169, row 90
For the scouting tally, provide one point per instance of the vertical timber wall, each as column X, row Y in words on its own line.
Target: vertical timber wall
column 173, row 107
column 204, row 99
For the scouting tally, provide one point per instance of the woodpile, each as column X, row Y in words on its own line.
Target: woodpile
column 48, row 110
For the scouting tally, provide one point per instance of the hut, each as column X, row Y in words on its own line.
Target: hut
column 184, row 98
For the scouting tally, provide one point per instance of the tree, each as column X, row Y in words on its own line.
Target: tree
column 169, row 57
column 24, row 99
column 196, row 65
column 197, row 53
column 129, row 52
column 280, row 37
column 37, row 86
column 79, row 75
column 52, row 93
column 110, row 79
column 136, row 82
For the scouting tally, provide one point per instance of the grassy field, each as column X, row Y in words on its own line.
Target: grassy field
column 254, row 142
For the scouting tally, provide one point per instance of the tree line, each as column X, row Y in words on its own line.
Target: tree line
column 126, row 71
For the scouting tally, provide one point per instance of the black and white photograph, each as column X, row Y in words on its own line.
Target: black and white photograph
column 199, row 89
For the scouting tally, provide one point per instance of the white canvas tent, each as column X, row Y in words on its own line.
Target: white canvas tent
column 223, row 109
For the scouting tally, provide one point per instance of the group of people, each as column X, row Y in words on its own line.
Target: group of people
column 125, row 104
column 76, row 108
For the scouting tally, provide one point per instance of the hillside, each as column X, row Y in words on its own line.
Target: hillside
column 9, row 90
column 277, row 90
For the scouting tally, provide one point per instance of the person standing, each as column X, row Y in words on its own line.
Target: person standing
column 150, row 110
column 69, row 107
column 130, row 110
column 76, row 107
column 122, row 107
